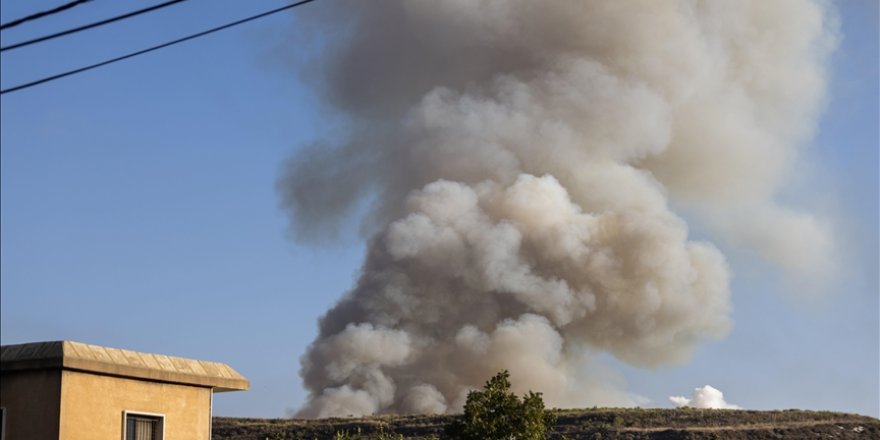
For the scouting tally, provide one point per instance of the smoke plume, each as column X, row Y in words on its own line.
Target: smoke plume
column 521, row 160
column 706, row 397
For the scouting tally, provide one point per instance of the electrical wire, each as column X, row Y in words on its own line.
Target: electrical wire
column 37, row 15
column 154, row 48
column 89, row 26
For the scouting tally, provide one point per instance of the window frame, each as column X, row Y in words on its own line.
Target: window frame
column 159, row 417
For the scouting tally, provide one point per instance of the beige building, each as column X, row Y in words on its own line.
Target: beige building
column 65, row 390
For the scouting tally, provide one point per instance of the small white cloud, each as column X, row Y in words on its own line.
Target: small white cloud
column 705, row 397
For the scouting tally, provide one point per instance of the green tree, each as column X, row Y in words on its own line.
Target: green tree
column 495, row 413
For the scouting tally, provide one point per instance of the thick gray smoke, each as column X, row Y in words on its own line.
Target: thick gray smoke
column 521, row 159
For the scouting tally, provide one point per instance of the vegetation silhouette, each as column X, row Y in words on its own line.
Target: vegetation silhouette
column 496, row 413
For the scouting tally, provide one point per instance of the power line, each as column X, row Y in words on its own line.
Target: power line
column 37, row 15
column 151, row 49
column 89, row 26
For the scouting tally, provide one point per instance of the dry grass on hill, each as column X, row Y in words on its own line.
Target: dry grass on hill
column 596, row 423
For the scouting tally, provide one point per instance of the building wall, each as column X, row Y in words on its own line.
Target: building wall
column 32, row 402
column 92, row 407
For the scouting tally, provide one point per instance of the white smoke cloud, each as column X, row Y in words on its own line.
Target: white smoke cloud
column 522, row 159
column 705, row 397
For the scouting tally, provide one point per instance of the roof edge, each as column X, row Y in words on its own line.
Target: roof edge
column 123, row 363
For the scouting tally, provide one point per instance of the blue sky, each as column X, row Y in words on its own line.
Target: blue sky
column 139, row 211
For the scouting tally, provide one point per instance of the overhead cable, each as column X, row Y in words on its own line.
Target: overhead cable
column 42, row 14
column 89, row 26
column 154, row 48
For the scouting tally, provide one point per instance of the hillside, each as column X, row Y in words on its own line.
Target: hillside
column 597, row 423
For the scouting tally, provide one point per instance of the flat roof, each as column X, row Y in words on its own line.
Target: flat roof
column 118, row 362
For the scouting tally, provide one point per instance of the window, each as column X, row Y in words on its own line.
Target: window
column 139, row 426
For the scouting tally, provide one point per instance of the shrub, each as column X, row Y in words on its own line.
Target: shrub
column 495, row 413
